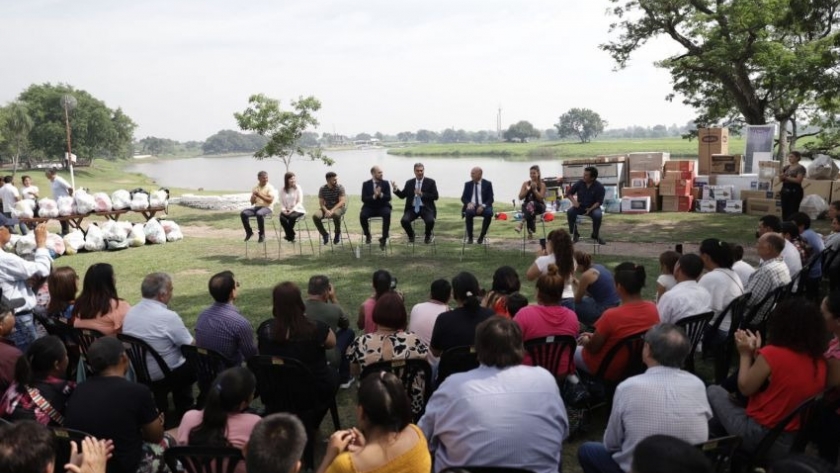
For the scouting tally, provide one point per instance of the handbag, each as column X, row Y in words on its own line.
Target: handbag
column 44, row 405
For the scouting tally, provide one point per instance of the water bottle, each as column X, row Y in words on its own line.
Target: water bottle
column 358, row 252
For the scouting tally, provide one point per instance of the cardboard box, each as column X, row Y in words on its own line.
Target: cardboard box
column 820, row 188
column 682, row 165
column 718, row 193
column 744, row 182
column 635, row 205
column 764, row 185
column 647, row 161
column 767, row 170
column 652, row 177
column 679, row 175
column 710, row 141
column 727, row 164
column 747, row 195
column 763, row 207
column 702, row 181
column 651, row 192
column 675, row 187
column 611, row 193
column 706, row 206
column 730, row 206
column 697, row 193
column 677, row 203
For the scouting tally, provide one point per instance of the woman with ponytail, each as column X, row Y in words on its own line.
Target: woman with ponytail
column 457, row 327
column 386, row 441
column 222, row 422
column 39, row 391
column 559, row 251
column 633, row 316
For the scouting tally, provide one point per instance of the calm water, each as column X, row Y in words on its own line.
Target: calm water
column 239, row 173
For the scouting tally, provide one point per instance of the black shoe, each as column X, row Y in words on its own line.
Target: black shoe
column 411, row 240
column 481, row 240
column 576, row 237
column 429, row 239
column 469, row 241
column 367, row 239
column 248, row 235
column 326, row 239
column 261, row 239
column 337, row 239
column 601, row 241
column 382, row 243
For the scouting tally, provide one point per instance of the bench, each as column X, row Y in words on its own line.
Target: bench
column 76, row 220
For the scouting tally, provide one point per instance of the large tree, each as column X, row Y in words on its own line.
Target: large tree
column 15, row 125
column 283, row 128
column 521, row 131
column 740, row 61
column 96, row 130
column 582, row 123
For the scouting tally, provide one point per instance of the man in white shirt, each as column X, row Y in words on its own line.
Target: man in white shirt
column 423, row 315
column 501, row 414
column 151, row 321
column 773, row 224
column 772, row 274
column 663, row 400
column 60, row 188
column 688, row 297
column 10, row 195
column 743, row 269
column 263, row 196
column 721, row 282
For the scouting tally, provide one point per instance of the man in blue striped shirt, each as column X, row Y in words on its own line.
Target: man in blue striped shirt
column 221, row 327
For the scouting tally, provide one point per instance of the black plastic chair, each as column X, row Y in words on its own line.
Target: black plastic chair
column 140, row 353
column 456, row 360
column 756, row 316
column 694, row 327
column 85, row 338
column 287, row 385
column 633, row 345
column 408, row 371
column 722, row 351
column 65, row 332
column 556, row 353
column 484, row 469
column 61, row 441
column 720, row 452
column 203, row 459
column 206, row 364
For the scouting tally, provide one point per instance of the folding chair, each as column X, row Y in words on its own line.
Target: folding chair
column 264, row 244
column 203, row 459
column 694, row 327
column 206, row 364
column 720, row 452
column 417, row 237
column 484, row 243
column 301, row 219
column 345, row 234
column 583, row 221
column 456, row 360
column 388, row 248
column 538, row 219
column 408, row 371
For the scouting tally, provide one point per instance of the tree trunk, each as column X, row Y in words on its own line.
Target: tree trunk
column 781, row 152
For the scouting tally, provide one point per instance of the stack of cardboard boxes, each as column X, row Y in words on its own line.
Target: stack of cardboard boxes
column 677, row 185
column 645, row 174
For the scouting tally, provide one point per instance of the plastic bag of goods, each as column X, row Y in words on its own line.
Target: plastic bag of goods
column 137, row 237
column 85, row 203
column 66, row 206
column 73, row 242
column 47, row 208
column 813, row 205
column 140, row 201
column 173, row 231
column 24, row 209
column 94, row 240
column 120, row 200
column 114, row 245
column 823, row 168
column 56, row 244
column 102, row 202
column 110, row 231
column 154, row 232
column 125, row 227
column 158, row 198
column 25, row 245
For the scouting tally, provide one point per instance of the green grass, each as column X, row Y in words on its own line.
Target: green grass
column 679, row 148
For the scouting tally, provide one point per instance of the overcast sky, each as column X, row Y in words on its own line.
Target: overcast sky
column 181, row 68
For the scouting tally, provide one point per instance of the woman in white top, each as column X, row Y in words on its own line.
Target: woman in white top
column 559, row 250
column 720, row 280
column 291, row 205
column 665, row 281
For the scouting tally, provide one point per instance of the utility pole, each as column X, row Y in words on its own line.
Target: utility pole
column 499, row 123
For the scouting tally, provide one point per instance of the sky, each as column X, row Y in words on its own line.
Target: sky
column 181, row 68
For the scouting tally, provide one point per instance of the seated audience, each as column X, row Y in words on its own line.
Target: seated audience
column 29, row 447
column 501, row 414
column 276, row 445
column 222, row 422
column 386, row 441
column 383, row 282
column 790, row 232
column 815, row 242
column 633, row 316
column 8, row 351
column 133, row 423
column 548, row 317
column 667, row 454
column 221, row 327
column 666, row 279
column 776, row 378
column 559, row 250
column 828, row 439
column 423, row 316
column 389, row 342
column 516, row 302
column 63, row 284
column 322, row 304
column 687, row 297
column 791, row 256
column 39, row 391
column 662, row 401
column 771, row 274
column 721, row 281
column 595, row 291
column 152, row 321
column 99, row 307
column 456, row 328
column 743, row 269
column 291, row 334
column 505, row 283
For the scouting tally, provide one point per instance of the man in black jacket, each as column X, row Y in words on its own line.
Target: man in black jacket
column 478, row 202
column 376, row 202
column 420, row 195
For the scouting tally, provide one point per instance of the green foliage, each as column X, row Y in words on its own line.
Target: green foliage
column 230, row 141
column 96, row 130
column 157, row 146
column 15, row 125
column 582, row 123
column 426, row 136
column 284, row 129
column 521, row 131
column 405, row 136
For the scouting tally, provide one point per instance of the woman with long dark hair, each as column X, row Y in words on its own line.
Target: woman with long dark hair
column 39, row 391
column 99, row 307
column 382, row 283
column 457, row 327
column 505, row 283
column 291, row 334
column 63, row 284
column 560, row 251
column 291, row 205
column 791, row 177
column 532, row 195
column 386, row 441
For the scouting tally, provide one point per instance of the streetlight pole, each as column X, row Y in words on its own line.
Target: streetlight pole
column 69, row 102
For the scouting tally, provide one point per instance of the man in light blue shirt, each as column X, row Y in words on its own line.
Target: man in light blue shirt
column 501, row 414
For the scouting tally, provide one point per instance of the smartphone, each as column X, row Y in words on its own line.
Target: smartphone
column 679, row 248
column 542, row 243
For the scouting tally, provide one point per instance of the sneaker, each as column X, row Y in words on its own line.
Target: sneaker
column 429, row 239
column 382, row 243
column 248, row 235
column 326, row 239
column 348, row 383
column 337, row 239
column 261, row 239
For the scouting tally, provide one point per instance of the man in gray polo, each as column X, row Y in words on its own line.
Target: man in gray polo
column 332, row 203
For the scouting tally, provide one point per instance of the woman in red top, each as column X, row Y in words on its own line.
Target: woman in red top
column 777, row 377
column 633, row 316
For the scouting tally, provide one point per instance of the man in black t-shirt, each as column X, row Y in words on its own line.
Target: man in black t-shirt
column 108, row 406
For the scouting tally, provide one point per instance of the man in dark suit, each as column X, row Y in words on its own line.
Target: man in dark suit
column 420, row 195
column 376, row 202
column 478, row 201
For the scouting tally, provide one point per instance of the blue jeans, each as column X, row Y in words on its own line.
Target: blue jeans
column 589, row 311
column 568, row 303
column 24, row 333
column 594, row 458
column 596, row 215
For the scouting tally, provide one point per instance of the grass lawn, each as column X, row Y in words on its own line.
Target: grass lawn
column 214, row 243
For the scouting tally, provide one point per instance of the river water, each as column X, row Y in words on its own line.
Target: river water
column 239, row 173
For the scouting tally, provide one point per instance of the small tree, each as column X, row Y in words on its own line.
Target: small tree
column 16, row 127
column 283, row 129
column 582, row 123
column 521, row 131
